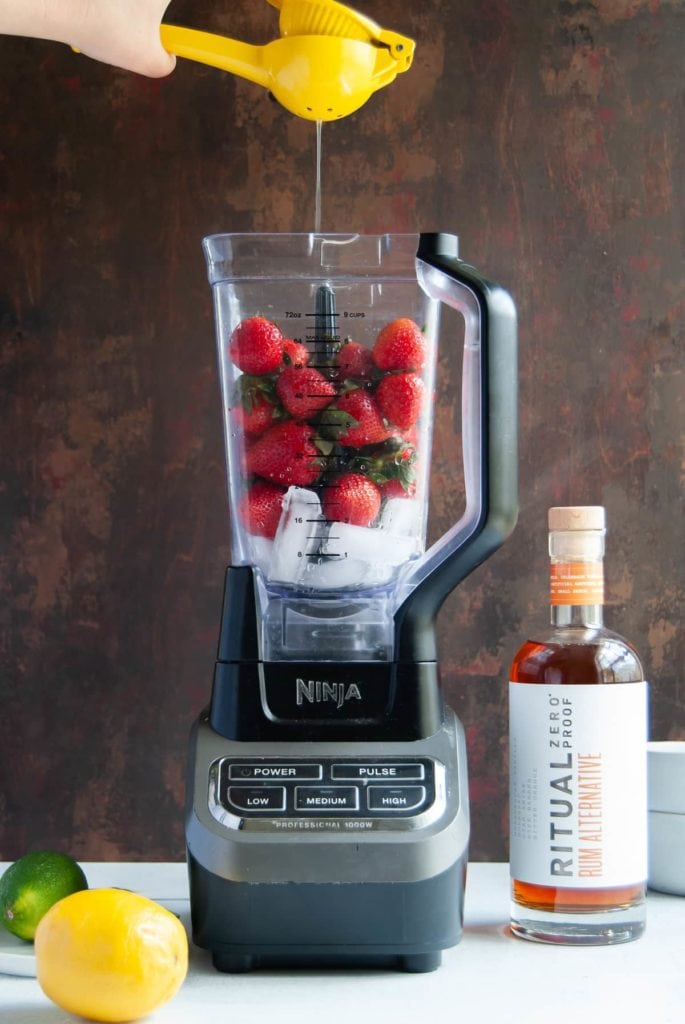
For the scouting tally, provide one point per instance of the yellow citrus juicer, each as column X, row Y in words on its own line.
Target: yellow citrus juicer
column 328, row 61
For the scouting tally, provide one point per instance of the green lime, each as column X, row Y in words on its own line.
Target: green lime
column 32, row 885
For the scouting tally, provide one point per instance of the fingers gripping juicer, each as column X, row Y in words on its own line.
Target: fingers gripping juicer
column 327, row 817
column 326, row 64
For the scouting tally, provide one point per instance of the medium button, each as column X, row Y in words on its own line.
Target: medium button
column 327, row 798
column 257, row 798
column 287, row 772
column 395, row 798
column 377, row 771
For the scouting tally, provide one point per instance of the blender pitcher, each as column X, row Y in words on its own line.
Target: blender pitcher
column 327, row 347
column 327, row 817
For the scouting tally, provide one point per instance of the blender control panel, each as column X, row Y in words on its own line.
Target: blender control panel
column 378, row 789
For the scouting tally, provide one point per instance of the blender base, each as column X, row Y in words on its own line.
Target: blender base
column 290, row 882
column 395, row 926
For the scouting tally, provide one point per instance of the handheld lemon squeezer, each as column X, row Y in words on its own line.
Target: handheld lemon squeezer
column 328, row 61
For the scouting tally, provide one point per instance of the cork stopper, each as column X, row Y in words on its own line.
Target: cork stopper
column 577, row 517
column 576, row 533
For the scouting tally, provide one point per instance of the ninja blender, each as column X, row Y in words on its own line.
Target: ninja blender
column 327, row 818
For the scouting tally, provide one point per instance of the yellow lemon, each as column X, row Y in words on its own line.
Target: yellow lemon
column 110, row 954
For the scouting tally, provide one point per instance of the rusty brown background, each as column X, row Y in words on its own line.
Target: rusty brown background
column 549, row 135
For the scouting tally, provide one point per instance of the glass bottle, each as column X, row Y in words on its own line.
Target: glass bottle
column 577, row 735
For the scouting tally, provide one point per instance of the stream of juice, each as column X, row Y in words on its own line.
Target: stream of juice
column 317, row 196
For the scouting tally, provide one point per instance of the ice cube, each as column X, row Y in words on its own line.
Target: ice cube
column 356, row 556
column 296, row 536
column 368, row 544
column 261, row 549
column 402, row 516
column 345, row 541
column 309, row 551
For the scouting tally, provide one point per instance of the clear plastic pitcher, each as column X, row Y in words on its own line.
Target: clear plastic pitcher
column 327, row 351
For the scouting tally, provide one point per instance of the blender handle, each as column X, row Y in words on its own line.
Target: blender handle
column 497, row 510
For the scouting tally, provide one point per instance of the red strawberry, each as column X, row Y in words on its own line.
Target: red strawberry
column 256, row 346
column 396, row 489
column 354, row 362
column 352, row 498
column 295, row 353
column 401, row 345
column 400, row 398
column 286, row 454
column 254, row 404
column 257, row 418
column 392, row 463
column 411, row 436
column 260, row 508
column 362, row 422
column 304, row 391
column 243, row 449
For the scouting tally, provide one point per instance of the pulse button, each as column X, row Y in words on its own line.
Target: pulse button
column 378, row 771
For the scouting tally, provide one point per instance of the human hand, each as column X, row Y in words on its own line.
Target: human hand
column 124, row 33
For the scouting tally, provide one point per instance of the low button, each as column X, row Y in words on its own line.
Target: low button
column 396, row 798
column 257, row 798
column 327, row 798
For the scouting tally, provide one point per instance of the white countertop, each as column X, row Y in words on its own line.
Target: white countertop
column 490, row 977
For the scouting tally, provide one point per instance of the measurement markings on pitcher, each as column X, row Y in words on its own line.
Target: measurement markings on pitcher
column 319, row 553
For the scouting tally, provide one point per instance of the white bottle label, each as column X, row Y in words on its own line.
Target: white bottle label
column 578, row 784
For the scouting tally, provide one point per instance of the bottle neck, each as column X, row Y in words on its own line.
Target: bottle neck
column 589, row 616
column 576, row 577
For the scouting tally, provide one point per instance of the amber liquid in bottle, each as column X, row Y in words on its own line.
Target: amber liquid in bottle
column 577, row 651
column 577, row 655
